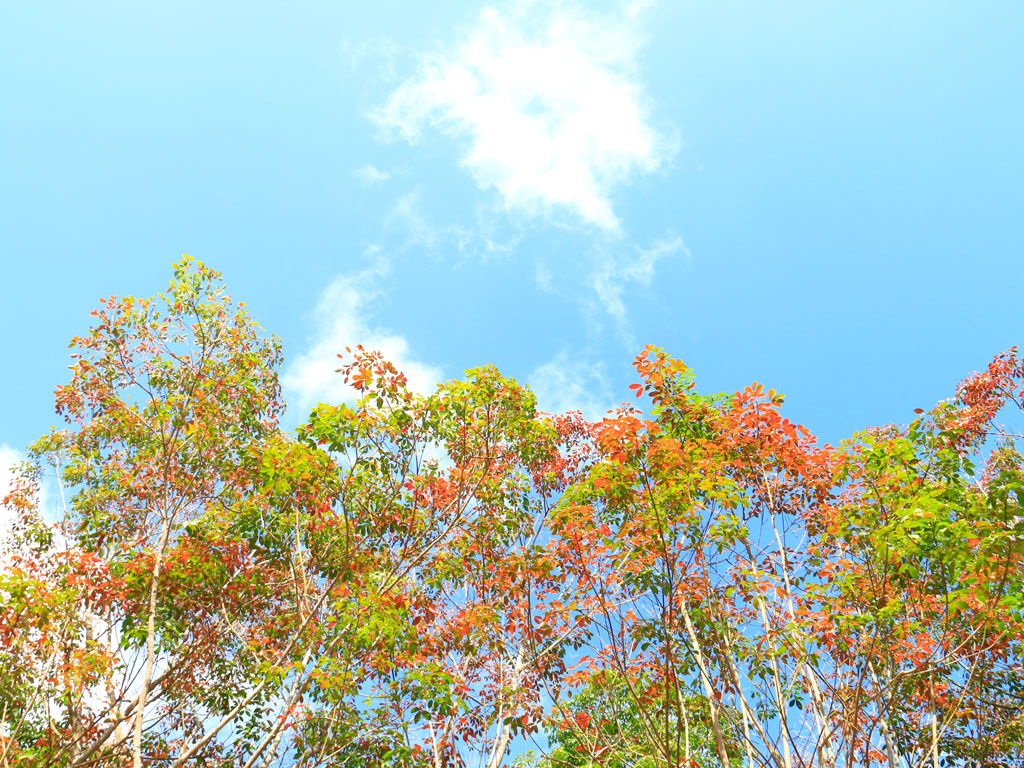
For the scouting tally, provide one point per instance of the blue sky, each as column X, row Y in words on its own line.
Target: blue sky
column 824, row 197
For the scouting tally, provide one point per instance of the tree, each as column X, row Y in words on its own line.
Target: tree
column 921, row 614
column 171, row 626
column 629, row 724
column 849, row 605
column 689, row 595
column 448, row 496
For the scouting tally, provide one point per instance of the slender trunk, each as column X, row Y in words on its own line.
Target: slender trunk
column 824, row 745
column 748, row 713
column 728, row 659
column 117, row 716
column 686, row 731
column 75, row 698
column 709, row 691
column 505, row 729
column 935, row 721
column 439, row 759
column 780, row 699
column 147, row 677
column 890, row 750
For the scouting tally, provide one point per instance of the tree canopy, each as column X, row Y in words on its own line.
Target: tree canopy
column 458, row 579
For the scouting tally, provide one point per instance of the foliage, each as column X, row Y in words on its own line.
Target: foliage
column 441, row 579
column 620, row 722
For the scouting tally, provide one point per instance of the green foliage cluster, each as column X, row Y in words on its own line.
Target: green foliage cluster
column 455, row 579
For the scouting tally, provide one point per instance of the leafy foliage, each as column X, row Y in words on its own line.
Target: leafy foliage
column 446, row 579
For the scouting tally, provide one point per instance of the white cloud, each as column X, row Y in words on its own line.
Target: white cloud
column 613, row 274
column 567, row 384
column 370, row 175
column 342, row 320
column 547, row 99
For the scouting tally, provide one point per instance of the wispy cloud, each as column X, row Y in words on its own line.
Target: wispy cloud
column 547, row 100
column 409, row 224
column 614, row 273
column 542, row 277
column 407, row 219
column 343, row 318
column 370, row 175
column 372, row 60
column 570, row 383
